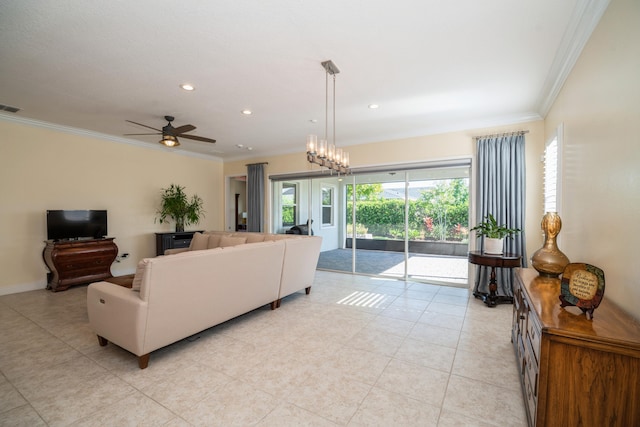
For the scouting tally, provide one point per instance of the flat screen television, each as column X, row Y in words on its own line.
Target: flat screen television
column 76, row 224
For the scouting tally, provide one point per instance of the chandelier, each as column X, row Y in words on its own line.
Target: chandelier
column 322, row 152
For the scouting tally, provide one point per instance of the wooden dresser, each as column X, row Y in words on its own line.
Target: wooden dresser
column 74, row 262
column 574, row 371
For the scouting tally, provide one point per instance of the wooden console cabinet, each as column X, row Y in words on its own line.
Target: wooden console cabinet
column 74, row 262
column 574, row 371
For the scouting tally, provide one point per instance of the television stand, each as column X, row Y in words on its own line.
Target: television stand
column 75, row 262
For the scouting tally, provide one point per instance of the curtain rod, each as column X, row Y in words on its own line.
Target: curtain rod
column 495, row 135
column 255, row 164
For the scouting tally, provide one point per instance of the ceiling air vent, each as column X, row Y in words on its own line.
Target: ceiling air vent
column 9, row 108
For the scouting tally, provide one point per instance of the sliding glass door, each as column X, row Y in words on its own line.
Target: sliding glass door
column 378, row 207
column 438, row 225
column 404, row 224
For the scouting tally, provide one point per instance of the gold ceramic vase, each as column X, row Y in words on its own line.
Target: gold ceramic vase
column 549, row 261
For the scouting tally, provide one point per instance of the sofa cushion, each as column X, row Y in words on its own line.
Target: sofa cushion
column 198, row 242
column 226, row 241
column 137, row 279
column 254, row 238
column 286, row 236
column 214, row 241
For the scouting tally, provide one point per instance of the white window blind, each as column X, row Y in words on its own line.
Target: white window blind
column 551, row 176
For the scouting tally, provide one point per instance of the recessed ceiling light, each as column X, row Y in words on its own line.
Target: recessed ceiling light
column 373, row 106
column 239, row 145
column 314, row 120
column 247, row 112
column 188, row 87
column 249, row 148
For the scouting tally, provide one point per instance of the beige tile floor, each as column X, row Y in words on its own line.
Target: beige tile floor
column 357, row 351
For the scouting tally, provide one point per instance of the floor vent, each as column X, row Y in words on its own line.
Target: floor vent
column 9, row 108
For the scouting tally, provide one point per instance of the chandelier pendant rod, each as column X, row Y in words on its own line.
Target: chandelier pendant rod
column 326, row 106
column 334, row 110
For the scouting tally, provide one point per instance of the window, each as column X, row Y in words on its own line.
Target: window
column 552, row 172
column 327, row 206
column 289, row 204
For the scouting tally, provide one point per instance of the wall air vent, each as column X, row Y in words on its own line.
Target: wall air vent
column 9, row 108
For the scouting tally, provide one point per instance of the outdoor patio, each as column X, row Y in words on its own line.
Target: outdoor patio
column 431, row 268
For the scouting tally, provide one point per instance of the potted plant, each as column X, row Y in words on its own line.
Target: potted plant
column 493, row 234
column 176, row 206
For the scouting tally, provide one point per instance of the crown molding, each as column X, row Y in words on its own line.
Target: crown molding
column 586, row 16
column 102, row 136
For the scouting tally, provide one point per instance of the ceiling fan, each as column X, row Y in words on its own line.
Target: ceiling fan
column 170, row 134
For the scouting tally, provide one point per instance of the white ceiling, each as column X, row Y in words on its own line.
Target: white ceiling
column 433, row 66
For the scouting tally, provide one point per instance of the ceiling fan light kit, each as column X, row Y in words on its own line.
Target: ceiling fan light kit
column 169, row 141
column 322, row 152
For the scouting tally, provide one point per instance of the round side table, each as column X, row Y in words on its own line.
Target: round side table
column 490, row 260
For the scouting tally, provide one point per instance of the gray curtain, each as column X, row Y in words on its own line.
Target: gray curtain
column 255, row 197
column 501, row 192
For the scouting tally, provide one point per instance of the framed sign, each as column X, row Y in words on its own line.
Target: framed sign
column 582, row 286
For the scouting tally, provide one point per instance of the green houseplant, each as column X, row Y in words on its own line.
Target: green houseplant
column 493, row 234
column 175, row 205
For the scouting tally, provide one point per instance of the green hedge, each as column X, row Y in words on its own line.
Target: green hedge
column 441, row 213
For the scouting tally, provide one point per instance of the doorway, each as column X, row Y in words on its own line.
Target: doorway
column 236, row 211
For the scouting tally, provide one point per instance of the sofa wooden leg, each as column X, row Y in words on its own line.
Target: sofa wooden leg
column 143, row 361
column 102, row 341
column 307, row 290
column 275, row 304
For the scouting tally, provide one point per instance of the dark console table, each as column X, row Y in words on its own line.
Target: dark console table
column 74, row 262
column 493, row 261
column 166, row 241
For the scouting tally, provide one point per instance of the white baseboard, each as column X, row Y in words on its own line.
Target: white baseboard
column 22, row 287
column 34, row 286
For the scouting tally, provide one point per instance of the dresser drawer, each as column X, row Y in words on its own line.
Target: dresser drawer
column 520, row 354
column 181, row 243
column 531, row 400
column 533, row 336
column 531, row 366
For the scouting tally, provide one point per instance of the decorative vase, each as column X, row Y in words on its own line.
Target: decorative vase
column 549, row 261
column 179, row 227
column 493, row 246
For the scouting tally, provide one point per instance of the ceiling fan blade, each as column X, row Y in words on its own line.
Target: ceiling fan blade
column 129, row 134
column 198, row 138
column 182, row 129
column 140, row 124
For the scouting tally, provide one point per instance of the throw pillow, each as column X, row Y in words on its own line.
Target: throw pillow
column 198, row 242
column 226, row 241
column 137, row 279
column 214, row 241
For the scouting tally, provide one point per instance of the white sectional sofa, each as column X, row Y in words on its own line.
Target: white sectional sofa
column 221, row 276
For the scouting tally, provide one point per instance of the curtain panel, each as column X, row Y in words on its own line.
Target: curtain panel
column 501, row 192
column 255, row 197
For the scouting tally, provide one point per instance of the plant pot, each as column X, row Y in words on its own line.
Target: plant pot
column 493, row 246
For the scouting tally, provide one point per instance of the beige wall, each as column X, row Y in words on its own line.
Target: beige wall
column 44, row 169
column 428, row 148
column 599, row 106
